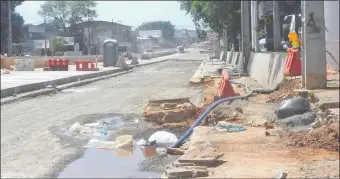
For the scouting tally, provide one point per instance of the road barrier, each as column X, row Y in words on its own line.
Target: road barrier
column 84, row 65
column 293, row 66
column 225, row 89
column 58, row 64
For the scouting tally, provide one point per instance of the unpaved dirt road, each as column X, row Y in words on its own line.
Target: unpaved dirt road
column 29, row 149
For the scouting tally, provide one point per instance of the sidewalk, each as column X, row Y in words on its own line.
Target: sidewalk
column 24, row 81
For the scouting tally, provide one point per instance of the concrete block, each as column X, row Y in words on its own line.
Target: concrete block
column 24, row 64
column 328, row 99
column 222, row 56
column 229, row 57
column 267, row 68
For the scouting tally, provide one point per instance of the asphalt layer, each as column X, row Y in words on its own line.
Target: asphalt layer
column 30, row 148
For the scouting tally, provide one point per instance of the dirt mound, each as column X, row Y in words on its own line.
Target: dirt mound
column 286, row 90
column 325, row 137
column 169, row 111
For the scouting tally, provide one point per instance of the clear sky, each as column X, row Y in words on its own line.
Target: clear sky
column 132, row 13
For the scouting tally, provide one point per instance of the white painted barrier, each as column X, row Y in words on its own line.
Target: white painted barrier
column 267, row 68
column 24, row 64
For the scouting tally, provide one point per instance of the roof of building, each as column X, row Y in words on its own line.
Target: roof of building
column 102, row 22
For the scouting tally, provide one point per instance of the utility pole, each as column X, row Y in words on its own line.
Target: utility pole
column 276, row 25
column 45, row 37
column 112, row 29
column 314, row 47
column 245, row 35
column 88, row 36
column 9, row 54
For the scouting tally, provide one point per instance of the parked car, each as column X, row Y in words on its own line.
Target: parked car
column 180, row 49
column 147, row 54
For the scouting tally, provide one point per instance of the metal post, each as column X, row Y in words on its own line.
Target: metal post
column 276, row 25
column 112, row 30
column 9, row 54
column 256, row 21
column 245, row 33
column 45, row 37
column 253, row 30
column 314, row 45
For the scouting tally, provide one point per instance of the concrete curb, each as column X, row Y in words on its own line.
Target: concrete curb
column 76, row 83
column 197, row 78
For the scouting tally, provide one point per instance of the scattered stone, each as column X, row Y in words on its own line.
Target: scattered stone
column 121, row 62
column 169, row 111
column 134, row 60
column 177, row 164
column 188, row 171
column 124, row 141
column 76, row 127
column 201, row 159
column 168, row 105
column 281, row 175
column 175, row 151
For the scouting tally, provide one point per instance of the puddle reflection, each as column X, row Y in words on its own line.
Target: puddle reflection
column 99, row 163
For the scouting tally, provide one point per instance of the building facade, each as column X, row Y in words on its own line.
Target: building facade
column 91, row 35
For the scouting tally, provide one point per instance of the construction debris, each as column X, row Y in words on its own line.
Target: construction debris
column 5, row 71
column 124, row 141
column 169, row 111
column 175, row 151
column 134, row 60
column 325, row 137
column 187, row 171
column 286, row 90
column 121, row 62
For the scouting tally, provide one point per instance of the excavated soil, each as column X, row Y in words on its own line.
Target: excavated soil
column 326, row 137
column 286, row 90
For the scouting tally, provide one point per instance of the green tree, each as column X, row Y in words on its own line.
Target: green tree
column 17, row 23
column 217, row 15
column 58, row 44
column 61, row 14
column 168, row 30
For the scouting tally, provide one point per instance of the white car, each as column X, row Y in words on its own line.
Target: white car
column 147, row 54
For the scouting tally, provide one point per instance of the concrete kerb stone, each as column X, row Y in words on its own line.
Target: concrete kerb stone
column 77, row 81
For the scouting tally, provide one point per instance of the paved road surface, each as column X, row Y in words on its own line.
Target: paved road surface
column 28, row 148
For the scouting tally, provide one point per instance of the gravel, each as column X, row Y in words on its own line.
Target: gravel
column 28, row 146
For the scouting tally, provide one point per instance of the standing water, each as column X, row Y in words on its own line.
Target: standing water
column 114, row 163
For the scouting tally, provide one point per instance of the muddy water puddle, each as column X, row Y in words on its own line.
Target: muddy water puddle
column 99, row 162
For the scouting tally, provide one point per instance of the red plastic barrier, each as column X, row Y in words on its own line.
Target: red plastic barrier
column 293, row 66
column 58, row 65
column 225, row 89
column 84, row 65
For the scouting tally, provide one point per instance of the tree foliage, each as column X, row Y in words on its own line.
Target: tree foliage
column 168, row 30
column 217, row 15
column 61, row 14
column 58, row 44
column 17, row 23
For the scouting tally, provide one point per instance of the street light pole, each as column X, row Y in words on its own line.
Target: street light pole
column 9, row 29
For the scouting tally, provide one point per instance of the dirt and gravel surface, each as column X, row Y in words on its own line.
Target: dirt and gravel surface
column 30, row 149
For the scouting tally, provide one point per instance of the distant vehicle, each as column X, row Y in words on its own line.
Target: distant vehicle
column 180, row 49
column 147, row 54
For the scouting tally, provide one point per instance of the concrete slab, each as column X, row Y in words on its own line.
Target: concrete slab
column 328, row 99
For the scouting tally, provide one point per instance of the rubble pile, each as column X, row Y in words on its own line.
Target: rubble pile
column 5, row 71
column 169, row 111
column 326, row 137
column 286, row 90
